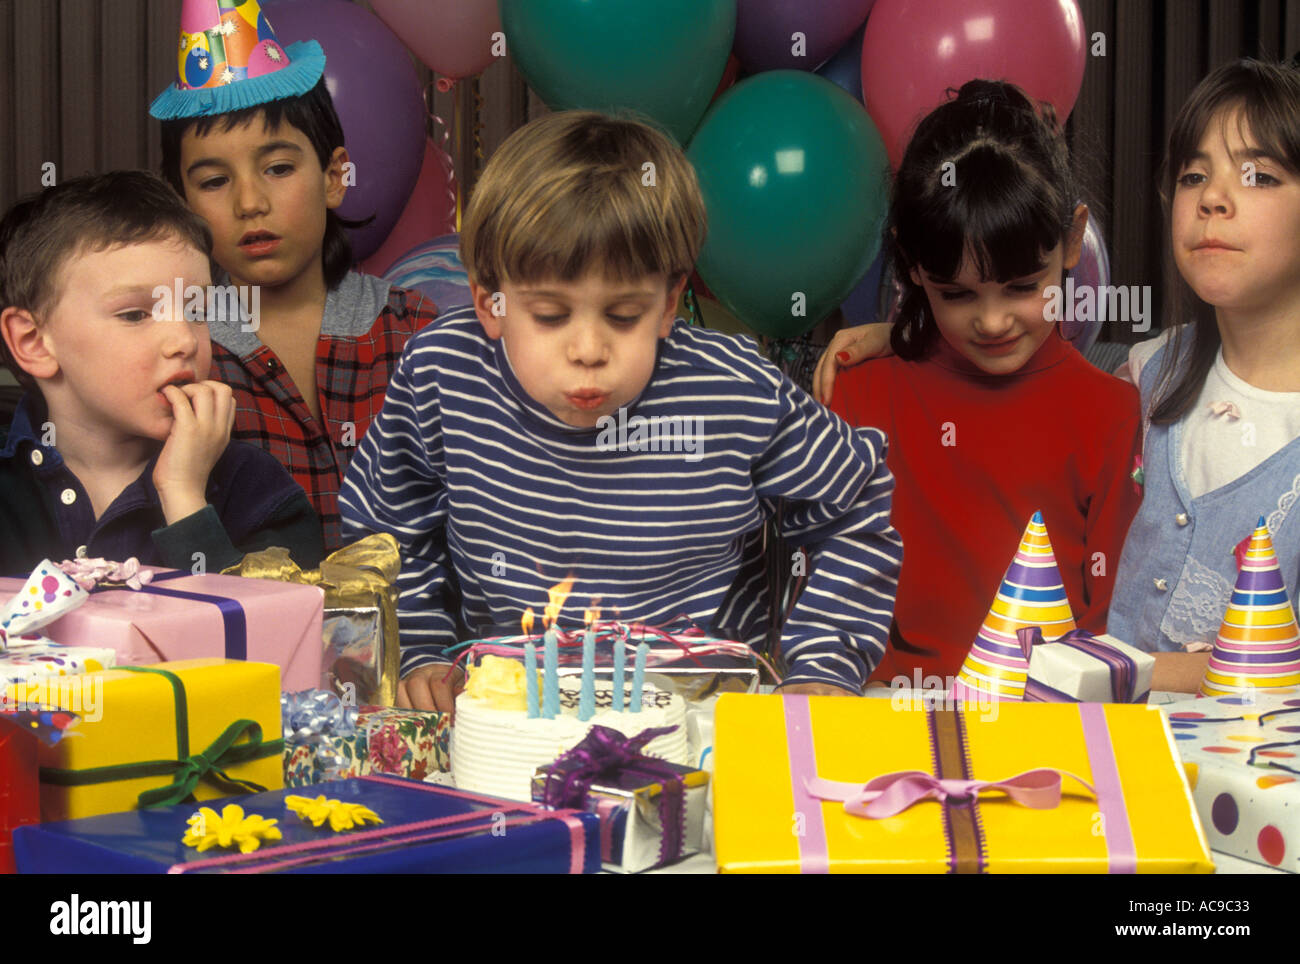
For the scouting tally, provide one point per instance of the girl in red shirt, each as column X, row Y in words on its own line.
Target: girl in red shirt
column 991, row 414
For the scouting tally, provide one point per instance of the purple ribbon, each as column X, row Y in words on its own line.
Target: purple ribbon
column 234, row 623
column 1123, row 670
column 607, row 756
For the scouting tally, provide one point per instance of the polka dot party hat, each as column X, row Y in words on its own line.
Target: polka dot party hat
column 1031, row 594
column 48, row 594
column 229, row 59
column 1258, row 647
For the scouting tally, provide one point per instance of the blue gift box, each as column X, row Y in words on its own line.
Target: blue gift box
column 426, row 829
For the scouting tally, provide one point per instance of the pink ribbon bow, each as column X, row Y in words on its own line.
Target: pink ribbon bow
column 891, row 794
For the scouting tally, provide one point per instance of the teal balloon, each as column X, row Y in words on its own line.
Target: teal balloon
column 662, row 58
column 795, row 179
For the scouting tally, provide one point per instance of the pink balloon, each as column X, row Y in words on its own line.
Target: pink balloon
column 914, row 50
column 429, row 213
column 452, row 37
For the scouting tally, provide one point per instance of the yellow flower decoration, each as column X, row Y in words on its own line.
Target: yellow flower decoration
column 231, row 828
column 342, row 816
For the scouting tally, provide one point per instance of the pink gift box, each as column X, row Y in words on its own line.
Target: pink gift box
column 183, row 616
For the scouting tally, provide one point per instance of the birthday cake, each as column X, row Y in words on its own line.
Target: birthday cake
column 496, row 748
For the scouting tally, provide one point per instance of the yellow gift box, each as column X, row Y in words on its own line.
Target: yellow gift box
column 152, row 735
column 768, row 817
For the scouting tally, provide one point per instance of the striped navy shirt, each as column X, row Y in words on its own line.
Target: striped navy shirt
column 660, row 514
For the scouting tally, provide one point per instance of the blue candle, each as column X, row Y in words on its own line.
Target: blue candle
column 587, row 697
column 638, row 676
column 551, row 674
column 530, row 678
column 620, row 664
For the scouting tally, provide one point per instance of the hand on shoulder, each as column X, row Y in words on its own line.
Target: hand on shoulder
column 848, row 347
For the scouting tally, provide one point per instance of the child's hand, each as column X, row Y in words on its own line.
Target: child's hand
column 856, row 344
column 817, row 689
column 431, row 688
column 203, row 413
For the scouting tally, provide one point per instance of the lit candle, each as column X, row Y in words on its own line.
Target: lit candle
column 620, row 665
column 530, row 678
column 587, row 697
column 638, row 676
column 551, row 674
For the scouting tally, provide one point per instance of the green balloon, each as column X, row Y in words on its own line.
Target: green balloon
column 662, row 58
column 795, row 179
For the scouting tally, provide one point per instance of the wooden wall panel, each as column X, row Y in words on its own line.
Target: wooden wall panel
column 34, row 74
column 80, row 66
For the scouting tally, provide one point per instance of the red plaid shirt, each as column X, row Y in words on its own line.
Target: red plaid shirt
column 365, row 326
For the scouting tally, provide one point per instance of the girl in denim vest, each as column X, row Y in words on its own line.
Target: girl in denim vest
column 1222, row 392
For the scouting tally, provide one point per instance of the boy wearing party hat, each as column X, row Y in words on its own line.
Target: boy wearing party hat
column 568, row 426
column 251, row 140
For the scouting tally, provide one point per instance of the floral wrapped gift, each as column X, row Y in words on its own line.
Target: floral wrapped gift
column 405, row 743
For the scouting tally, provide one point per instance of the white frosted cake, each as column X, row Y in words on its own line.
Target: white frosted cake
column 496, row 749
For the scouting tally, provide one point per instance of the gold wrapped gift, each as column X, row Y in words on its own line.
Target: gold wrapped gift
column 362, row 656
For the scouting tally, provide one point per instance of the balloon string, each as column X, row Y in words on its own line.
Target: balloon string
column 478, row 127
column 442, row 136
column 456, row 121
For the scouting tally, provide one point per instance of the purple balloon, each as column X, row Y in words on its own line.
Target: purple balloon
column 377, row 94
column 766, row 31
column 1092, row 270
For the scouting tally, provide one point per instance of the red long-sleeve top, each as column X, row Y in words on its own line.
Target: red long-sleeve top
column 974, row 456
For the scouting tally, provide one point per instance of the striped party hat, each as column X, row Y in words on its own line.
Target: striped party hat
column 1031, row 594
column 229, row 59
column 1258, row 647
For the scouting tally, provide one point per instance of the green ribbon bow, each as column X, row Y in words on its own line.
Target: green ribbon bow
column 187, row 769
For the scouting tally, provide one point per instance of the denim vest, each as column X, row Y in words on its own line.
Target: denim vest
column 1179, row 566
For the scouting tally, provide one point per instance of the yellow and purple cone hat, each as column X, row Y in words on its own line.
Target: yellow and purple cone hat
column 1258, row 647
column 1031, row 594
column 230, row 59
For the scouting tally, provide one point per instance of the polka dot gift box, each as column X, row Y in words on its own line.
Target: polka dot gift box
column 1242, row 761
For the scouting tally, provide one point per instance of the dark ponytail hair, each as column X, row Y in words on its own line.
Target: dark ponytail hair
column 1268, row 98
column 312, row 113
column 988, row 172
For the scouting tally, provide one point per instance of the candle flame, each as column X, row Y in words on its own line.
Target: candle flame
column 589, row 616
column 557, row 593
column 526, row 624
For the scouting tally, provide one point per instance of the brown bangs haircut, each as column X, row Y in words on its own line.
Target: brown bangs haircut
column 577, row 192
column 42, row 232
column 1265, row 98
